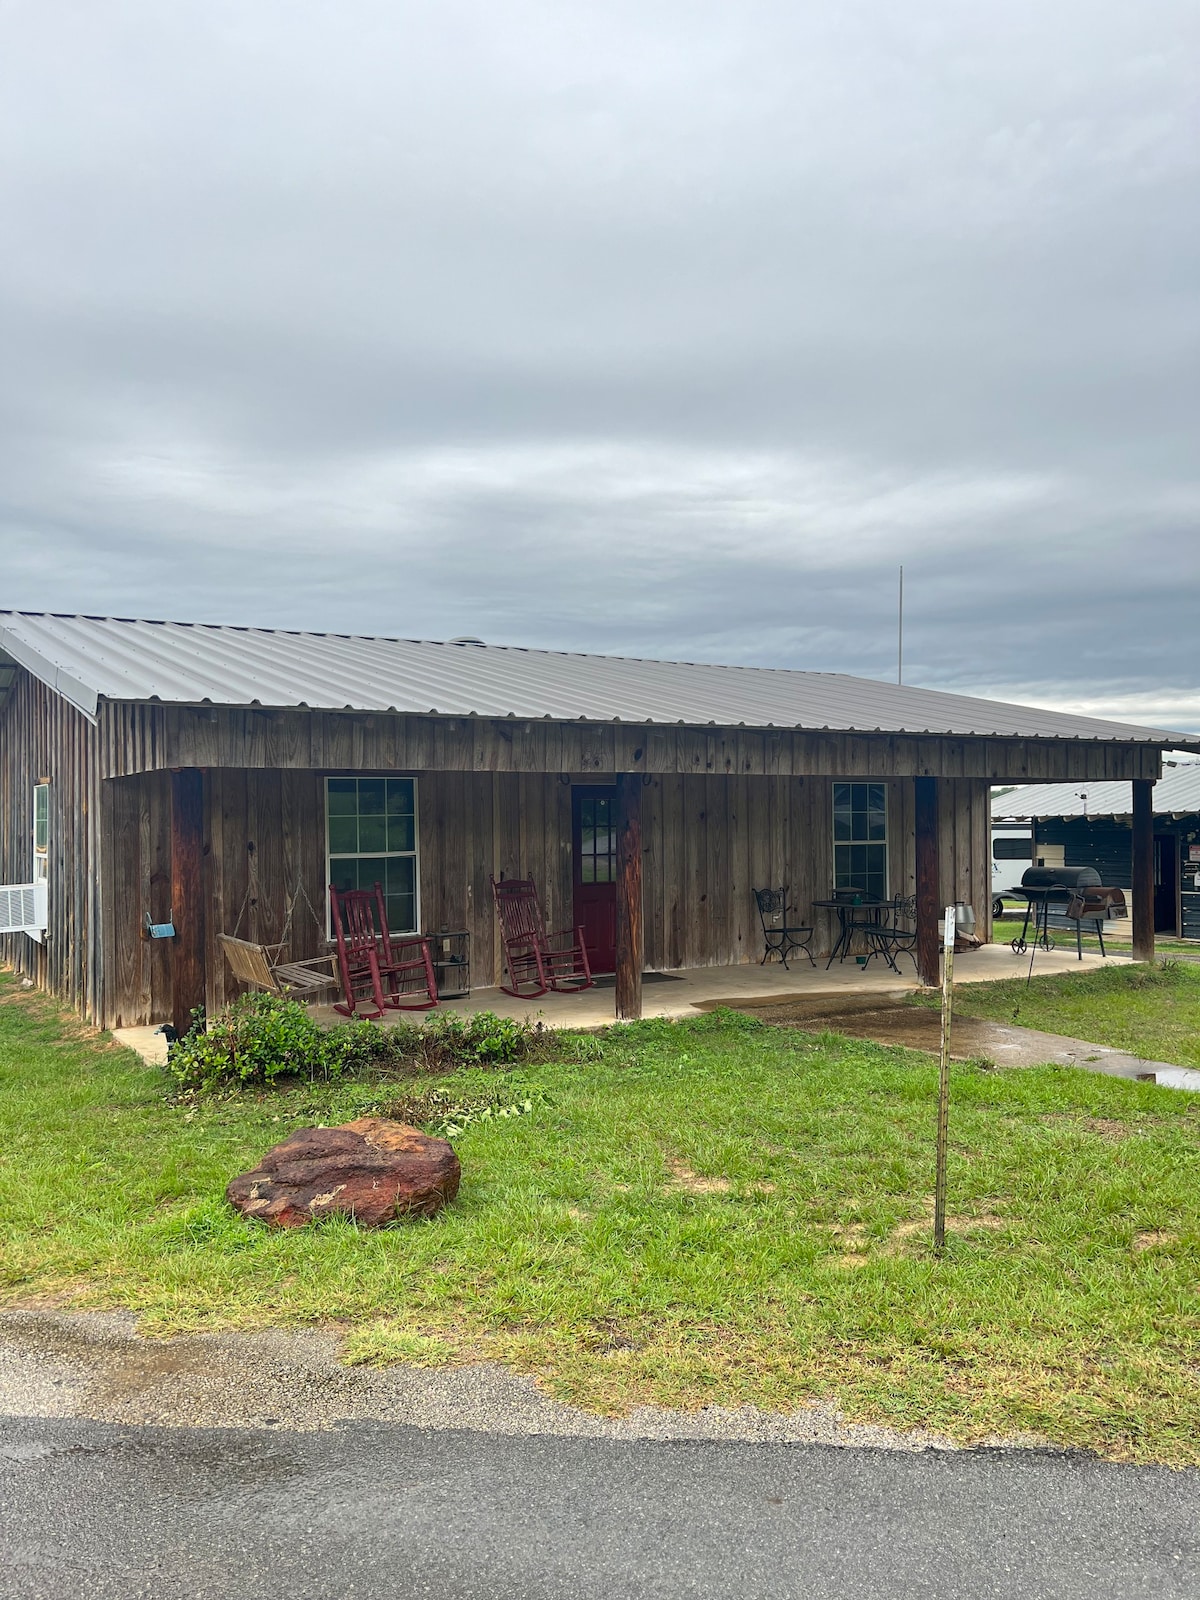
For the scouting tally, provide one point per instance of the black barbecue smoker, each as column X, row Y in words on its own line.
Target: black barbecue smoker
column 1074, row 893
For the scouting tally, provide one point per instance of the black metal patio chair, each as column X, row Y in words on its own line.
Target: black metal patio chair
column 893, row 935
column 780, row 937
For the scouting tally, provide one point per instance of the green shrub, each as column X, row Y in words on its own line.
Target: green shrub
column 482, row 1038
column 261, row 1037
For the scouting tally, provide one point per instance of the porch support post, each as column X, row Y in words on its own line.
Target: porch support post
column 1143, row 869
column 188, row 977
column 928, row 894
column 630, row 942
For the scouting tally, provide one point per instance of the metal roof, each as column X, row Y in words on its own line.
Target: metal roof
column 87, row 659
column 1177, row 793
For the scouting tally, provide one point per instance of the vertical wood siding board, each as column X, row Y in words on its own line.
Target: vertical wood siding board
column 430, row 856
column 458, row 873
column 478, row 855
column 719, row 806
column 700, row 929
column 96, row 899
column 237, row 830
column 128, row 873
column 495, row 865
column 962, row 840
column 747, row 918
column 546, row 849
column 509, row 819
column 291, row 859
column 672, row 868
column 187, row 893
column 558, row 823
column 981, row 858
column 214, row 889
column 660, row 750
column 483, row 746
column 275, row 884
column 159, row 797
column 652, row 878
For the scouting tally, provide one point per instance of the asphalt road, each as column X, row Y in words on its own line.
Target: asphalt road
column 368, row 1511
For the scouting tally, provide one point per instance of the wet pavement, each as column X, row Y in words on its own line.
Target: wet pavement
column 918, row 1027
column 370, row 1511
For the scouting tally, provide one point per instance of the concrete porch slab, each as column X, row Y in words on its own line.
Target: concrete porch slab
column 688, row 993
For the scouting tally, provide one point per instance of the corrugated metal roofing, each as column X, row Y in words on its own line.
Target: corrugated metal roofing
column 92, row 658
column 1177, row 793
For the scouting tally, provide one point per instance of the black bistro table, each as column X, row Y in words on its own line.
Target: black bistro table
column 853, row 912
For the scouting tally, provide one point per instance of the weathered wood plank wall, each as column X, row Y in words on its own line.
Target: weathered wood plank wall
column 140, row 738
column 707, row 842
column 723, row 811
column 42, row 737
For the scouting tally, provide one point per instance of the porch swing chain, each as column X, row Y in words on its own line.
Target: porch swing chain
column 299, row 893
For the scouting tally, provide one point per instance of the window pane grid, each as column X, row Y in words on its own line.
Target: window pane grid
column 860, row 838
column 371, row 837
column 597, row 841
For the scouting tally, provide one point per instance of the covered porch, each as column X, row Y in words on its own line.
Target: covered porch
column 691, row 991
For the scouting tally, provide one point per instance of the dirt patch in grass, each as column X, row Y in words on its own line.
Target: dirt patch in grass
column 684, row 1180
column 1153, row 1239
column 682, row 1177
column 1103, row 1127
column 858, row 1247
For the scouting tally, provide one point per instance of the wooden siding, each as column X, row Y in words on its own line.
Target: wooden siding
column 723, row 811
column 707, row 842
column 145, row 738
column 42, row 737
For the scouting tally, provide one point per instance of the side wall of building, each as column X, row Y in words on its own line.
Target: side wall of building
column 43, row 739
column 708, row 841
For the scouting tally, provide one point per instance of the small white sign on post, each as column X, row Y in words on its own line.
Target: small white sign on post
column 939, row 1193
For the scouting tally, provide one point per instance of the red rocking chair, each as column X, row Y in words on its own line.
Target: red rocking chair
column 370, row 958
column 537, row 960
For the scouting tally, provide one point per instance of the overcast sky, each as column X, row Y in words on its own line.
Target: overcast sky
column 668, row 328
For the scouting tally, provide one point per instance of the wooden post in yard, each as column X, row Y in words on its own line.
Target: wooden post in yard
column 188, row 977
column 943, row 1120
column 1143, row 869
column 630, row 943
column 928, row 895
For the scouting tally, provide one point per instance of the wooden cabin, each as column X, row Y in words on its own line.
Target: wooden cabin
column 207, row 778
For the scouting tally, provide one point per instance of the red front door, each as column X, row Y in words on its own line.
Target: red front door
column 594, row 855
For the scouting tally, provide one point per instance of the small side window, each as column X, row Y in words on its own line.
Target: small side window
column 41, row 832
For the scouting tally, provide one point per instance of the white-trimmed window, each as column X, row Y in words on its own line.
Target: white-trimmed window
column 860, row 842
column 371, row 837
column 41, row 832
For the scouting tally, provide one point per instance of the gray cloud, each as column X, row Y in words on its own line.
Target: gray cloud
column 668, row 330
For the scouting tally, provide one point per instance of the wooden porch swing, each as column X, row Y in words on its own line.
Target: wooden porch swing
column 263, row 966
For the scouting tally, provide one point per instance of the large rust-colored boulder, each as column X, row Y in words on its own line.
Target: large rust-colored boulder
column 373, row 1170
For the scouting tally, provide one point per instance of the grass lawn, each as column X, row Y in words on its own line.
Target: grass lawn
column 717, row 1211
column 1153, row 1011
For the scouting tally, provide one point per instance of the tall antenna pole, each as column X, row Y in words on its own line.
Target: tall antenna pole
column 900, row 634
